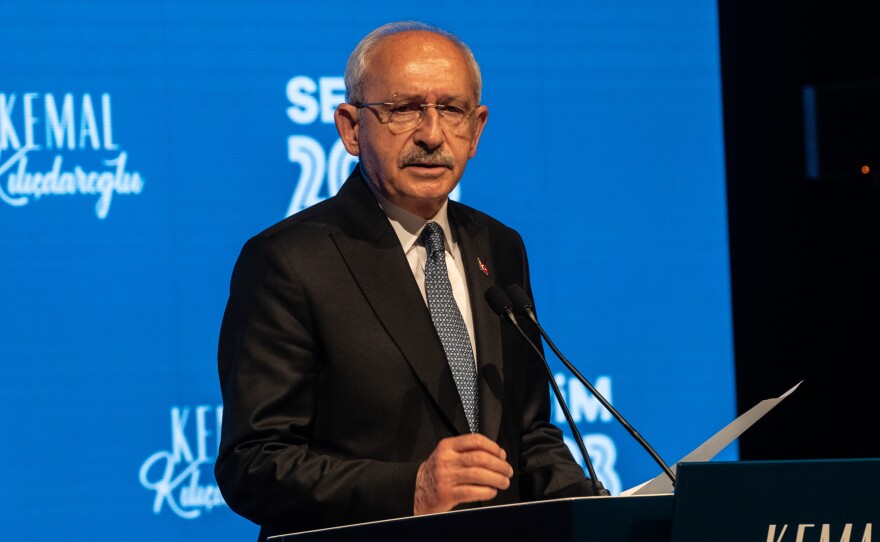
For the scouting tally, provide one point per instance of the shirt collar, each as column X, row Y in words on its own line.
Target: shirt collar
column 409, row 226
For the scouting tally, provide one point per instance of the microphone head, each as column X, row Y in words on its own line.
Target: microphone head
column 520, row 298
column 498, row 300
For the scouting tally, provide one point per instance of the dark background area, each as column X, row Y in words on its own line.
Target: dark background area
column 804, row 249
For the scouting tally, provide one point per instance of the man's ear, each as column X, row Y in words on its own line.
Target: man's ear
column 480, row 117
column 348, row 126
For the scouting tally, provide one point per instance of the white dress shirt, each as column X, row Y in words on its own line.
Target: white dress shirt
column 408, row 228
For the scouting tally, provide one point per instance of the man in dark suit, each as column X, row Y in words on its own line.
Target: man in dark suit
column 340, row 405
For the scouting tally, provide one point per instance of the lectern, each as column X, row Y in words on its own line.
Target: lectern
column 734, row 501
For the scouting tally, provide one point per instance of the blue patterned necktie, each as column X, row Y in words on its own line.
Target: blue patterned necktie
column 449, row 323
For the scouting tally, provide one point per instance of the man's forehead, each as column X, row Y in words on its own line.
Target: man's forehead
column 417, row 46
column 415, row 64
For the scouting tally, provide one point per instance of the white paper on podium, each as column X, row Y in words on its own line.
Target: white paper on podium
column 709, row 449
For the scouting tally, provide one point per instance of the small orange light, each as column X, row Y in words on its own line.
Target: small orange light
column 866, row 169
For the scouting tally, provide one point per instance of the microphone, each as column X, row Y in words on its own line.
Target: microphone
column 503, row 307
column 524, row 304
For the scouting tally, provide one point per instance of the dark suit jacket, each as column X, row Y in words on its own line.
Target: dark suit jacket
column 335, row 385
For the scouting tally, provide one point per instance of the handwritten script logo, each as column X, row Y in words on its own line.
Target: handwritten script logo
column 49, row 131
column 175, row 475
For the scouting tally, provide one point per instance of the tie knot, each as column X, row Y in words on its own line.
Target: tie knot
column 432, row 237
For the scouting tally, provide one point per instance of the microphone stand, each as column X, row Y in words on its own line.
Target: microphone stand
column 501, row 304
column 516, row 292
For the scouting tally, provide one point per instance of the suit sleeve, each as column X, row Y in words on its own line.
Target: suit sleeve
column 269, row 365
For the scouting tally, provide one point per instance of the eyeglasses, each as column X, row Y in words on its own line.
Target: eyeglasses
column 405, row 116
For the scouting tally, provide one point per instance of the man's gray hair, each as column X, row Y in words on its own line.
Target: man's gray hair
column 356, row 68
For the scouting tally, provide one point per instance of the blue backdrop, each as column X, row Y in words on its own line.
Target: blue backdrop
column 142, row 143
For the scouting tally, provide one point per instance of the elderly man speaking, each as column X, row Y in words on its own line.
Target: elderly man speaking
column 364, row 377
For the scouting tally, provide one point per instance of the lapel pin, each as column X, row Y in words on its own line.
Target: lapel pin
column 483, row 267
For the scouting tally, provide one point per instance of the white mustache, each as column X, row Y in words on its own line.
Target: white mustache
column 418, row 156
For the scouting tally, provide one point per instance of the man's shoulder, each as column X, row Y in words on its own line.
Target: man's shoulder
column 319, row 218
column 351, row 209
column 300, row 237
column 467, row 213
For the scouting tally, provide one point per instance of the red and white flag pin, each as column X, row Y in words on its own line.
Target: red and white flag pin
column 483, row 267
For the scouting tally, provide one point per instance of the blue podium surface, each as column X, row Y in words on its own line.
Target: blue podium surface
column 778, row 501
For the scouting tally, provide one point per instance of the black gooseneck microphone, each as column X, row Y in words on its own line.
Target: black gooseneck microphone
column 524, row 305
column 503, row 306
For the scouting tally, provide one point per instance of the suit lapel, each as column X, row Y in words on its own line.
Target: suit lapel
column 372, row 251
column 476, row 252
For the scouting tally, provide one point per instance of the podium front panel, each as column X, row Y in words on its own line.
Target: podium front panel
column 779, row 501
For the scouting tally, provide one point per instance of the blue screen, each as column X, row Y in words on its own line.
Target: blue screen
column 142, row 143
